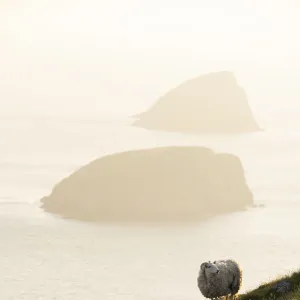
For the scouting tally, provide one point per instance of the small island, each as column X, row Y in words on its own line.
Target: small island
column 211, row 103
column 177, row 183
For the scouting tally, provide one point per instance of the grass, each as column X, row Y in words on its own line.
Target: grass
column 266, row 291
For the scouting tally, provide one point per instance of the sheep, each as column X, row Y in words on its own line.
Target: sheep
column 220, row 278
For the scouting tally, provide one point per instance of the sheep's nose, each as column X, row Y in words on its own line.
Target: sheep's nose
column 218, row 271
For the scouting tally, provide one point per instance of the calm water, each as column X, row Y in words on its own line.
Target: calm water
column 44, row 257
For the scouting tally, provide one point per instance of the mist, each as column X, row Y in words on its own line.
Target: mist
column 96, row 58
column 143, row 138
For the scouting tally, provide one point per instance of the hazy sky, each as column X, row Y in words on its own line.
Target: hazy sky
column 96, row 57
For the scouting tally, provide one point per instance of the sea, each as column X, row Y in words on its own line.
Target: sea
column 45, row 257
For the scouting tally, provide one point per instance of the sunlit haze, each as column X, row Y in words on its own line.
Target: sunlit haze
column 141, row 139
column 118, row 57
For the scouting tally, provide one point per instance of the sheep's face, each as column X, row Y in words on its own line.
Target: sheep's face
column 210, row 269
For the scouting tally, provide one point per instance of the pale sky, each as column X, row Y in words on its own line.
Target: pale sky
column 116, row 57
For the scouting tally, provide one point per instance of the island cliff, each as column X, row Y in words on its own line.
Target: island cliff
column 160, row 184
column 211, row 103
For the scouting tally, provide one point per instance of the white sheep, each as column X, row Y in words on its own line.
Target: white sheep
column 220, row 278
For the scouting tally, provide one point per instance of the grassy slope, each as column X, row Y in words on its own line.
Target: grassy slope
column 265, row 291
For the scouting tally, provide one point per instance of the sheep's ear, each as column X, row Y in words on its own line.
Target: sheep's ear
column 214, row 261
column 203, row 266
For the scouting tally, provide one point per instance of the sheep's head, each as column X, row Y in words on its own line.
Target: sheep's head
column 210, row 269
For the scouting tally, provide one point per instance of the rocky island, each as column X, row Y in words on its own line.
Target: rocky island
column 211, row 103
column 178, row 183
